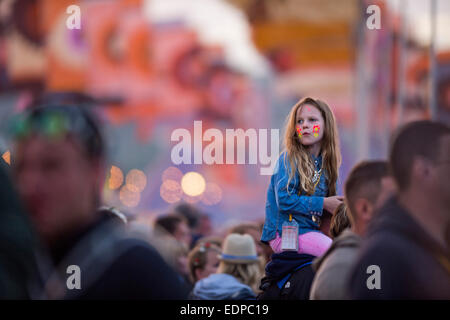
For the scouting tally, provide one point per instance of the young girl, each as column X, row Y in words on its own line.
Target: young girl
column 304, row 181
column 203, row 260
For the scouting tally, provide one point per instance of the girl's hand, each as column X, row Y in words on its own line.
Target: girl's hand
column 331, row 203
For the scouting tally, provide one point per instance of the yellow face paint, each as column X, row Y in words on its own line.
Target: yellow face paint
column 299, row 131
column 316, row 129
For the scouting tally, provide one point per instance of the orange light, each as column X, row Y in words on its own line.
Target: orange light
column 212, row 194
column 116, row 178
column 136, row 180
column 129, row 198
column 7, row 157
column 172, row 173
column 170, row 191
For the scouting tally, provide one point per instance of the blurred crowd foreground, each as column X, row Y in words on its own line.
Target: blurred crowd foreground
column 59, row 242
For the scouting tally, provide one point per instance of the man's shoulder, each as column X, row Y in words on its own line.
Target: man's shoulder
column 387, row 247
column 341, row 257
column 394, row 252
column 139, row 271
column 342, row 252
column 330, row 281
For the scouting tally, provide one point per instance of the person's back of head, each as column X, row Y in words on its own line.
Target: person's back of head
column 190, row 213
column 240, row 260
column 243, row 228
column 367, row 187
column 175, row 225
column 169, row 222
column 251, row 229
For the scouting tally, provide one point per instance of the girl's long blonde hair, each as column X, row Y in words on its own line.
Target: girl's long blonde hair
column 248, row 273
column 298, row 156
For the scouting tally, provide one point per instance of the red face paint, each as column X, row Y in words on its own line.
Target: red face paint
column 299, row 131
column 316, row 130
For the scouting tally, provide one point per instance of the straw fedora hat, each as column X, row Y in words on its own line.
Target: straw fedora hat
column 239, row 249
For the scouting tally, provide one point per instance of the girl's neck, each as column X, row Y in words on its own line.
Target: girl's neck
column 314, row 149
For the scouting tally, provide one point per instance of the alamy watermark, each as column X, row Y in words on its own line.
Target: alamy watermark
column 374, row 20
column 213, row 152
column 74, row 280
column 74, row 20
column 374, row 281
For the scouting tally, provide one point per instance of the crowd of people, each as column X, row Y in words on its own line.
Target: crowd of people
column 394, row 218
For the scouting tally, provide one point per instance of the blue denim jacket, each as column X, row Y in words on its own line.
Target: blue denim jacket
column 280, row 204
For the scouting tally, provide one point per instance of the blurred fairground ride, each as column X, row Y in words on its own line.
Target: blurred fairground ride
column 156, row 65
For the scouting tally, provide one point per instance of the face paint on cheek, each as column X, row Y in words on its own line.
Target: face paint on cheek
column 316, row 130
column 299, row 131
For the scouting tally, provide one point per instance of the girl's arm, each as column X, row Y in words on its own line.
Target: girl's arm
column 292, row 202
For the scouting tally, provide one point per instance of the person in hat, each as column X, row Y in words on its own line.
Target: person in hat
column 238, row 273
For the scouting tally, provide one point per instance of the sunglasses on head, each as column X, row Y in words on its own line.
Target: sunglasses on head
column 56, row 122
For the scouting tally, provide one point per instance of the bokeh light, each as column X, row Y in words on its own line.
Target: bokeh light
column 115, row 178
column 212, row 194
column 193, row 184
column 7, row 157
column 172, row 173
column 170, row 191
column 136, row 180
column 190, row 199
column 129, row 198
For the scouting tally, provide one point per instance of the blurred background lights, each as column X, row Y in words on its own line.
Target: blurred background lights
column 190, row 199
column 7, row 157
column 170, row 191
column 136, row 180
column 193, row 184
column 115, row 178
column 212, row 194
column 172, row 173
column 129, row 198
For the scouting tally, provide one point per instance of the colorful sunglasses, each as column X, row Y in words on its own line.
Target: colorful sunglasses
column 56, row 122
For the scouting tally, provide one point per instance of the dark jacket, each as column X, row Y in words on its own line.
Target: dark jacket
column 411, row 264
column 18, row 243
column 288, row 277
column 114, row 265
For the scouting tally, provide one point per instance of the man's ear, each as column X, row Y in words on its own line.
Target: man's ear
column 420, row 168
column 364, row 209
